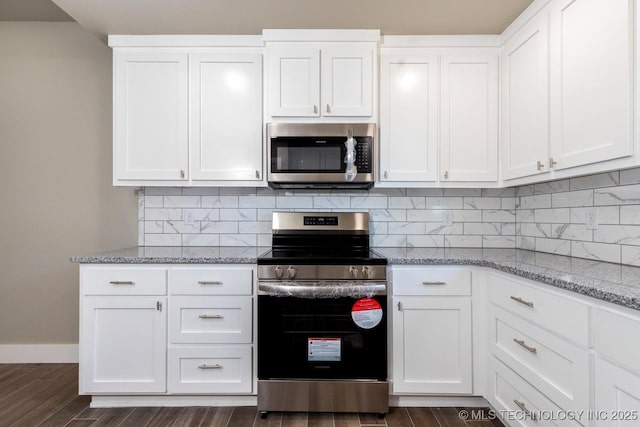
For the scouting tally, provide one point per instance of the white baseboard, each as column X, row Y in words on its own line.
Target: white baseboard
column 439, row 401
column 135, row 401
column 38, row 353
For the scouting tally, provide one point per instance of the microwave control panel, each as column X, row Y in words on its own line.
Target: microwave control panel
column 363, row 154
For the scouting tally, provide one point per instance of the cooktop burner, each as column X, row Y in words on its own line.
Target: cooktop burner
column 322, row 256
column 321, row 238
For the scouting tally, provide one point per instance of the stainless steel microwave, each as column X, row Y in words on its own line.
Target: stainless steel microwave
column 319, row 155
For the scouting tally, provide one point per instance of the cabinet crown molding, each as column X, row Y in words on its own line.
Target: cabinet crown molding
column 320, row 35
column 116, row 40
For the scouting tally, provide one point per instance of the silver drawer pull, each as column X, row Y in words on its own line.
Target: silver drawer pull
column 210, row 282
column 205, row 366
column 521, row 301
column 121, row 282
column 434, row 283
column 522, row 406
column 522, row 344
column 211, row 316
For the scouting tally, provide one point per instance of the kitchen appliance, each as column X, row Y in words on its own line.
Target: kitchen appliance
column 321, row 155
column 322, row 320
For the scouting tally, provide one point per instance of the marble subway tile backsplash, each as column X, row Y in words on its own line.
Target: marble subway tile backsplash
column 552, row 217
column 547, row 217
column 399, row 217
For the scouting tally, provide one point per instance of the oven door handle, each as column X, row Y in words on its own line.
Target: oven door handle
column 322, row 289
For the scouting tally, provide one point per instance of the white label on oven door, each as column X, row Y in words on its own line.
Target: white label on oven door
column 366, row 313
column 324, row 349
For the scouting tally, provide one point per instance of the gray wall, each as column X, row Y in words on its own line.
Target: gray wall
column 55, row 173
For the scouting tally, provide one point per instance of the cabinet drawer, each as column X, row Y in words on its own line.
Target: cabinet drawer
column 207, row 319
column 123, row 281
column 519, row 400
column 208, row 370
column 556, row 313
column 554, row 366
column 431, row 281
column 615, row 336
column 211, row 281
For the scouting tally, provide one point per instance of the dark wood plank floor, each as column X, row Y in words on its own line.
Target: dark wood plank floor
column 46, row 395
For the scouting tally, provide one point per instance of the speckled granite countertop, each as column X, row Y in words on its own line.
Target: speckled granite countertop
column 175, row 255
column 618, row 284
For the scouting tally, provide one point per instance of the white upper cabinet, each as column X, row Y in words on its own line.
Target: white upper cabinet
column 226, row 116
column 294, row 81
column 188, row 110
column 438, row 114
column 321, row 82
column 525, row 96
column 150, row 116
column 409, row 117
column 592, row 81
column 347, row 81
column 469, row 117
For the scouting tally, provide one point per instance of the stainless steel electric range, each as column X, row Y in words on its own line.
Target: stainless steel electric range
column 322, row 316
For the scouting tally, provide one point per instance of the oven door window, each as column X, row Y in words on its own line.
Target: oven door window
column 318, row 339
column 308, row 154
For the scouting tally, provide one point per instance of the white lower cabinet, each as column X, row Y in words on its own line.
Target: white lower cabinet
column 617, row 395
column 432, row 351
column 207, row 370
column 166, row 330
column 123, row 342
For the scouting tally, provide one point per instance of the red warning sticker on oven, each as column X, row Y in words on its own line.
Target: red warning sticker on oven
column 366, row 313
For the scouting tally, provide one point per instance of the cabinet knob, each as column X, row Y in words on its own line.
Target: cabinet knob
column 258, row 174
column 315, row 109
column 446, row 174
column 181, row 173
column 552, row 163
column 328, row 108
column 539, row 165
column 385, row 175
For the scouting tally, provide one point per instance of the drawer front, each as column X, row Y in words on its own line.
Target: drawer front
column 519, row 402
column 123, row 281
column 616, row 337
column 554, row 366
column 431, row 281
column 210, row 370
column 210, row 320
column 211, row 281
column 556, row 313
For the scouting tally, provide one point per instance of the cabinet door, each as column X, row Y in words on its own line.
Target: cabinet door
column 469, row 118
column 408, row 120
column 525, row 92
column 592, row 84
column 294, row 81
column 617, row 400
column 150, row 116
column 226, row 116
column 123, row 345
column 347, row 81
column 432, row 345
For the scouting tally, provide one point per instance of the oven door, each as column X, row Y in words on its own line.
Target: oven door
column 339, row 337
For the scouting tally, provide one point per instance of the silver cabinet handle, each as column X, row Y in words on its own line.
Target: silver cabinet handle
column 158, row 306
column 181, row 173
column 328, row 108
column 521, row 301
column 434, row 283
column 522, row 344
column 399, row 306
column 210, row 282
column 121, row 282
column 539, row 165
column 315, row 109
column 446, row 174
column 385, row 175
column 522, row 406
column 552, row 163
column 258, row 174
column 205, row 366
column 211, row 316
